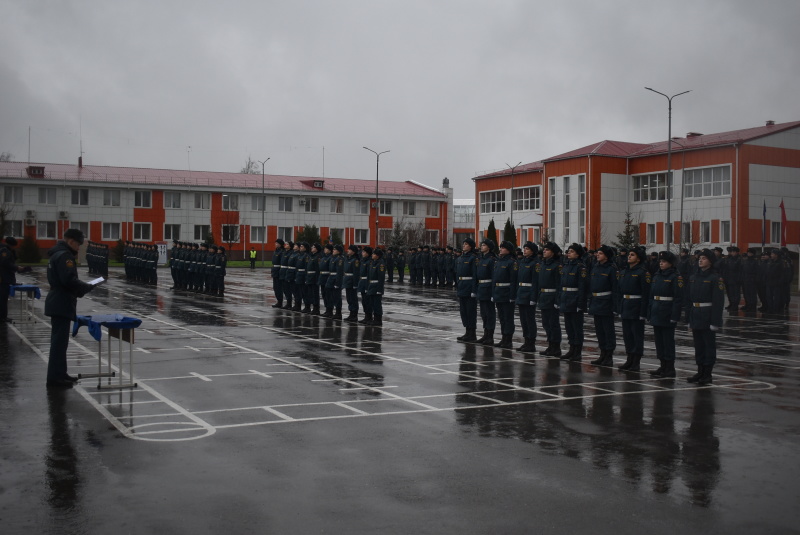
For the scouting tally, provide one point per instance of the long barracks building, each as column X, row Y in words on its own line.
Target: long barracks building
column 152, row 205
column 721, row 186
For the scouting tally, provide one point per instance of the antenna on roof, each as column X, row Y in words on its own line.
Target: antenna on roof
column 188, row 159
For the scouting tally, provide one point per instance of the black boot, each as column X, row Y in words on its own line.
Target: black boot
column 279, row 304
column 635, row 360
column 576, row 356
column 628, row 362
column 315, row 310
column 568, row 354
column 505, row 342
column 367, row 319
column 527, row 346
column 667, row 369
column 488, row 340
column 657, row 372
column 469, row 336
column 609, row 360
column 376, row 320
column 338, row 314
column 306, row 309
column 554, row 350
column 696, row 377
column 599, row 359
column 461, row 338
column 352, row 318
column 482, row 338
column 705, row 379
column 328, row 312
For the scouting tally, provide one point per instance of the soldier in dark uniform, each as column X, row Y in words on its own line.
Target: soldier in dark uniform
column 425, row 264
column 548, row 286
column 763, row 274
column 375, row 286
column 389, row 259
column 275, row 273
column 333, row 284
column 778, row 273
column 291, row 278
column 527, row 284
column 435, row 266
column 363, row 283
column 706, row 301
column 467, row 291
column 664, row 311
column 602, row 289
column 620, row 259
column 301, row 262
column 632, row 300
column 173, row 264
column 485, row 269
column 445, row 259
column 324, row 273
column 287, row 274
column 350, row 280
column 412, row 266
column 312, row 280
column 61, row 304
column 731, row 272
column 788, row 277
column 572, row 300
column 221, row 266
column 450, row 268
column 401, row 266
column 8, row 274
column 504, row 292
column 750, row 280
column 650, row 264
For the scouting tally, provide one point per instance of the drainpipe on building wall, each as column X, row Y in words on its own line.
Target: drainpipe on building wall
column 587, row 219
column 735, row 230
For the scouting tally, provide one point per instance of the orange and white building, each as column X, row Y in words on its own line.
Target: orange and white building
column 721, row 186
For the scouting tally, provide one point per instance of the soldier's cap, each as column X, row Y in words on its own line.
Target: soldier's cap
column 204, row 245
column 489, row 243
column 577, row 248
column 378, row 252
column 776, row 251
column 280, row 242
column 306, row 245
column 718, row 249
column 221, row 249
column 338, row 247
column 353, row 247
column 623, row 250
column 449, row 247
column 426, row 247
column 328, row 246
column 765, row 252
column 507, row 245
column 174, row 241
column 291, row 244
column 708, row 253
column 685, row 251
column 74, row 234
column 213, row 247
column 606, row 250
column 367, row 249
column 195, row 246
column 697, row 252
column 317, row 246
column 667, row 256
column 470, row 242
column 733, row 249
column 553, row 247
column 751, row 250
column 11, row 241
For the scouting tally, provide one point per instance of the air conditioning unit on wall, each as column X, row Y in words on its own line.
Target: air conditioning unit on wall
column 29, row 222
column 30, row 213
column 63, row 214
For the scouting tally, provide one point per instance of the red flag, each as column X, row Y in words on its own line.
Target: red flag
column 783, row 225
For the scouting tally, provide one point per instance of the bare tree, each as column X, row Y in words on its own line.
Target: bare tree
column 692, row 238
column 250, row 167
column 5, row 211
column 6, row 157
column 415, row 233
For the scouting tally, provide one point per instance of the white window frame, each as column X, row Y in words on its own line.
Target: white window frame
column 432, row 237
column 142, row 199
column 79, row 197
column 311, row 205
column 362, row 207
column 725, row 231
column 285, row 205
column 775, row 232
column 258, row 203
column 12, row 194
column 705, row 232
column 230, row 202
column 112, row 197
column 202, row 201
column 258, row 234
column 384, row 236
column 650, row 188
column 170, row 231
column 286, row 233
column 201, row 232
column 139, row 233
column 581, row 208
column 493, row 202
column 226, row 233
column 46, row 230
column 432, row 209
column 15, row 228
column 526, row 198
column 686, row 232
column 112, row 231
column 651, row 233
column 172, row 199
column 567, row 198
column 385, row 208
column 707, row 182
column 47, row 195
column 409, row 208
column 361, row 236
column 337, row 206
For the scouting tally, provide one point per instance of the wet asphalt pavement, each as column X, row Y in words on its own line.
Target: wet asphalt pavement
column 248, row 419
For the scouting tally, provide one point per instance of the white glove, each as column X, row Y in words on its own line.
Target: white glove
column 473, row 295
column 642, row 318
column 492, row 299
column 714, row 328
column 673, row 322
column 555, row 306
column 579, row 310
column 533, row 303
column 510, row 300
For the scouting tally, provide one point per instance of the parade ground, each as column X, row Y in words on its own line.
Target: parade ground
column 250, row 419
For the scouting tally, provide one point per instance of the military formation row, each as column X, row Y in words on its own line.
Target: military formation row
column 97, row 259
column 199, row 268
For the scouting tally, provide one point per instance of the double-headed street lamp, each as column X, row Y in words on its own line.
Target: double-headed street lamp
column 263, row 209
column 669, row 161
column 377, row 200
column 512, row 197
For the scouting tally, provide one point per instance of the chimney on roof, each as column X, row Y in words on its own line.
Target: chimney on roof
column 770, row 123
column 80, row 162
column 446, row 182
column 693, row 134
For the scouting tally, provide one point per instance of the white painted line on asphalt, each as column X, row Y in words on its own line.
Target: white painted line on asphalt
column 280, row 415
column 203, row 377
column 262, row 374
column 348, row 407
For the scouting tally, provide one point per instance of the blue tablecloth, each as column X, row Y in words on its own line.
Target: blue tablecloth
column 14, row 288
column 94, row 323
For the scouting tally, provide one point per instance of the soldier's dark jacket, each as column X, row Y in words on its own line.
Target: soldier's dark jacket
column 633, row 281
column 324, row 269
column 336, row 272
column 364, row 274
column 467, row 275
column 504, row 279
column 277, row 258
column 312, row 268
column 706, row 299
column 65, row 286
column 485, row 269
column 666, row 297
column 301, row 262
column 377, row 277
column 602, row 289
column 352, row 272
column 549, row 283
column 574, row 285
column 527, row 280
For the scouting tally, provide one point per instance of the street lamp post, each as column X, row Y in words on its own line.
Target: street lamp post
column 512, row 197
column 377, row 199
column 263, row 210
column 669, row 161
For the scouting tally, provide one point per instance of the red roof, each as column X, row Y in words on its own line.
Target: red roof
column 172, row 177
column 524, row 168
column 619, row 149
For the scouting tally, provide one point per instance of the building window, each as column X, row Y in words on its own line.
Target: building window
column 337, row 235
column 651, row 233
column 705, row 232
column 362, row 236
column 650, row 187
column 284, row 204
column 202, row 232
column 362, row 207
column 111, row 197
column 111, row 231
column 257, row 234
column 384, row 236
column 386, row 208
column 566, row 209
column 432, row 237
column 707, row 182
column 141, row 231
column 83, row 226
column 230, row 202
column 337, row 206
column 493, row 201
column 686, row 233
column 725, row 231
column 582, row 208
column 46, row 230
column 433, row 209
column 172, row 232
column 14, row 228
column 258, row 203
column 776, row 232
column 172, row 199
column 142, row 199
column 230, row 233
column 202, row 201
column 285, row 233
column 409, row 208
column 537, row 235
column 311, row 204
column 47, row 195
column 526, row 198
column 551, row 218
column 80, row 197
column 12, row 194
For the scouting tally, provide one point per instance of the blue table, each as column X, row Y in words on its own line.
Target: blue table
column 118, row 326
column 27, row 293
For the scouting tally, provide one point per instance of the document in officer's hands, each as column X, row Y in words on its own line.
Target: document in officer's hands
column 98, row 280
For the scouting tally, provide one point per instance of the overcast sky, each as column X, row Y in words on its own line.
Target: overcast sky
column 452, row 88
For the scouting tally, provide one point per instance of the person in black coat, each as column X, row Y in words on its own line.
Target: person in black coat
column 8, row 274
column 664, row 311
column 61, row 304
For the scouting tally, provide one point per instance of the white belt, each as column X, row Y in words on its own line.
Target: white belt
column 290, row 267
column 662, row 298
column 502, row 284
column 348, row 274
column 548, row 290
column 628, row 296
column 280, row 267
column 564, row 288
column 600, row 294
column 324, row 272
column 300, row 270
column 525, row 284
column 374, row 282
column 364, row 278
column 465, row 278
column 481, row 281
column 698, row 305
